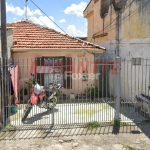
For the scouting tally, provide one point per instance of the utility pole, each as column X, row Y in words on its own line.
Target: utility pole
column 4, row 55
column 26, row 1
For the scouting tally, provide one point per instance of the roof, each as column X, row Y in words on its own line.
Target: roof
column 87, row 5
column 27, row 35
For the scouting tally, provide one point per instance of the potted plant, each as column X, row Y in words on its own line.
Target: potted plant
column 14, row 108
column 92, row 91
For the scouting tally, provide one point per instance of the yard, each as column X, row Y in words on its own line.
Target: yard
column 75, row 113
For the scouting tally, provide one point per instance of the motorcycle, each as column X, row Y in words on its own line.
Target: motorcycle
column 41, row 96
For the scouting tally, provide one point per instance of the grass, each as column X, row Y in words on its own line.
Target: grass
column 104, row 106
column 118, row 123
column 130, row 148
column 92, row 125
column 88, row 111
column 9, row 126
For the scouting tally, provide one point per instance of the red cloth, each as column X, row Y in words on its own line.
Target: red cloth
column 15, row 82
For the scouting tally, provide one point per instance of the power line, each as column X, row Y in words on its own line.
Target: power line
column 31, row 12
column 48, row 16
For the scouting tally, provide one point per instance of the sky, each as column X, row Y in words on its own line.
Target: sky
column 67, row 14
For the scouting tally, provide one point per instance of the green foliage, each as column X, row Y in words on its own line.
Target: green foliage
column 92, row 90
column 27, row 87
column 89, row 111
column 9, row 126
column 130, row 148
column 118, row 123
column 92, row 125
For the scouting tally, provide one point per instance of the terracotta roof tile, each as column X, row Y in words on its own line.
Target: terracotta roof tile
column 29, row 35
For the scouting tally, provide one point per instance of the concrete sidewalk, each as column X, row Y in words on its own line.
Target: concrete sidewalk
column 79, row 113
column 88, row 142
column 77, row 138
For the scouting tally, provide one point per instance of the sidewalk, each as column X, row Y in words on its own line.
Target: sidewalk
column 92, row 142
column 103, row 138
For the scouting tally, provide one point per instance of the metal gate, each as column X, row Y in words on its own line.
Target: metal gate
column 94, row 90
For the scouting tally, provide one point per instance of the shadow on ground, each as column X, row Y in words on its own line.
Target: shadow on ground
column 50, row 131
column 38, row 116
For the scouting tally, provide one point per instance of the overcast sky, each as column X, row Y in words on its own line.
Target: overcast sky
column 68, row 14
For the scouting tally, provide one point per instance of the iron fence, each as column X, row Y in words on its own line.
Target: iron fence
column 93, row 90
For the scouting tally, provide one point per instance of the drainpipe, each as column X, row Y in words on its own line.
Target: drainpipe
column 118, row 32
column 104, row 22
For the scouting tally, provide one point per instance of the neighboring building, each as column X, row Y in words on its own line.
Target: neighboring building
column 121, row 26
column 35, row 47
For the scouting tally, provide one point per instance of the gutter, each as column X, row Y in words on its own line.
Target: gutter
column 28, row 50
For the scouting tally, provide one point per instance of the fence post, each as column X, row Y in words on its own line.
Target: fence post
column 117, row 91
column 149, row 108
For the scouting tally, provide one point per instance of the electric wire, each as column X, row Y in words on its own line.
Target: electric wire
column 48, row 16
column 31, row 11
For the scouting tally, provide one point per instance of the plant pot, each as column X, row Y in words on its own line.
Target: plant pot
column 72, row 96
column 13, row 109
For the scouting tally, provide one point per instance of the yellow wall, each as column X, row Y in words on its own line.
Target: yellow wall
column 134, row 27
column 89, row 13
column 134, row 37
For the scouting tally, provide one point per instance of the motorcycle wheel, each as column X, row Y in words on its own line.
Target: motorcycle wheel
column 54, row 101
column 26, row 111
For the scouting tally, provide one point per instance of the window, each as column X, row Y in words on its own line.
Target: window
column 52, row 70
column 136, row 61
column 68, row 73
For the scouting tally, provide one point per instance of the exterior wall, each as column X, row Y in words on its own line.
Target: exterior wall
column 78, row 86
column 134, row 28
column 89, row 13
column 109, row 41
column 9, row 42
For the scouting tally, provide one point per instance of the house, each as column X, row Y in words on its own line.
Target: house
column 122, row 27
column 43, row 51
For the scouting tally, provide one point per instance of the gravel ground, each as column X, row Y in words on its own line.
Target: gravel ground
column 102, row 138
